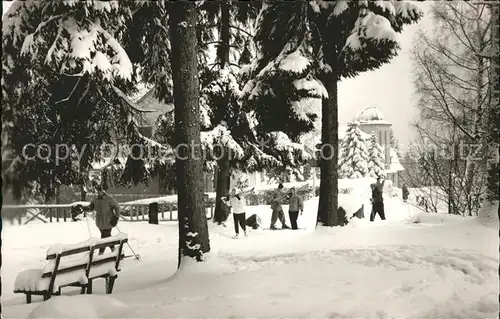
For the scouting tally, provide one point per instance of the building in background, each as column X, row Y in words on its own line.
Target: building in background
column 372, row 120
column 151, row 109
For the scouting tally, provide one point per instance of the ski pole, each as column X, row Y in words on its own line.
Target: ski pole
column 137, row 257
column 88, row 226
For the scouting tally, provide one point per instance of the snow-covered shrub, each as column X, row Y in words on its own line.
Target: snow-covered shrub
column 375, row 156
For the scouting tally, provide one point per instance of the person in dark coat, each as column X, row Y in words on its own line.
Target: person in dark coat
column 107, row 214
column 278, row 197
column 377, row 200
column 406, row 193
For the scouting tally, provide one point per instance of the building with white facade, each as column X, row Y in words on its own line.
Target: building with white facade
column 372, row 120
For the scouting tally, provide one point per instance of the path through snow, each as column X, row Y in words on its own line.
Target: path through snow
column 445, row 266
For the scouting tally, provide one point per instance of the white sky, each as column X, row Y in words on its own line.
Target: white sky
column 389, row 88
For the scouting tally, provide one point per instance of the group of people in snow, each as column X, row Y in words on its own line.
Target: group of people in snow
column 236, row 200
column 108, row 211
column 295, row 207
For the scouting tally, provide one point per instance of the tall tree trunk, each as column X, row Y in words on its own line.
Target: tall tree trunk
column 328, row 189
column 494, row 112
column 163, row 188
column 193, row 231
column 225, row 35
column 223, row 173
column 471, row 169
column 222, row 189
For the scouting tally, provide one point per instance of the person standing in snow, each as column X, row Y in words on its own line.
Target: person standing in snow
column 377, row 200
column 406, row 193
column 107, row 213
column 278, row 197
column 296, row 206
column 237, row 202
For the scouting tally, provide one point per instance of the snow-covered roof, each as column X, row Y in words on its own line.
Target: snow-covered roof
column 395, row 164
column 371, row 114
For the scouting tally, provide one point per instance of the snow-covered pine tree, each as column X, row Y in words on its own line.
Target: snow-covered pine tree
column 324, row 41
column 227, row 21
column 88, row 38
column 295, row 102
column 355, row 158
column 376, row 165
column 221, row 95
column 144, row 41
column 164, row 36
column 58, row 76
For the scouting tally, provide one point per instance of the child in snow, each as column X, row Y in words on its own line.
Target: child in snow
column 296, row 206
column 406, row 193
column 237, row 202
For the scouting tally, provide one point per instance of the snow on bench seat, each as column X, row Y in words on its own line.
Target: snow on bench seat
column 31, row 280
column 60, row 248
column 73, row 265
column 81, row 259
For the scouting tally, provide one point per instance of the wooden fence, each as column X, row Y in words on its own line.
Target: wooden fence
column 24, row 214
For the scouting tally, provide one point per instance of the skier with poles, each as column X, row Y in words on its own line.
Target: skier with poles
column 107, row 213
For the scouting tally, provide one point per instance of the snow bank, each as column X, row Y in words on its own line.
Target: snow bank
column 444, row 267
column 488, row 214
column 212, row 264
column 80, row 306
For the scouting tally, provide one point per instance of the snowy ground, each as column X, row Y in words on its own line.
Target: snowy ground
column 445, row 266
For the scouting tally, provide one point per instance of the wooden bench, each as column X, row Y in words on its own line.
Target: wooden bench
column 74, row 266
